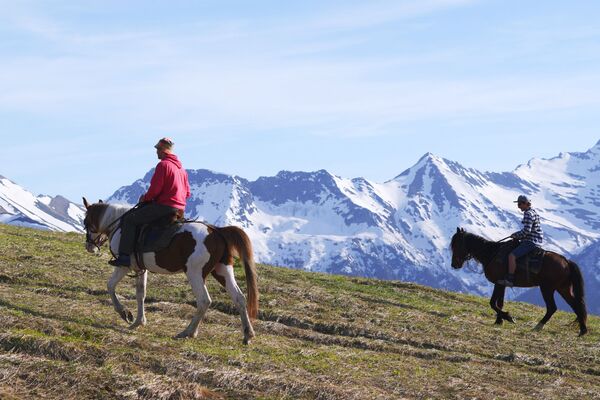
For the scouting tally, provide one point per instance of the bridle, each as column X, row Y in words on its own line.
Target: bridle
column 103, row 237
column 468, row 256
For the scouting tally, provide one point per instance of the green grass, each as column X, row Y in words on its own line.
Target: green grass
column 318, row 337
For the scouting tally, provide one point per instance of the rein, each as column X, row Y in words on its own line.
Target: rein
column 103, row 237
column 497, row 251
column 470, row 255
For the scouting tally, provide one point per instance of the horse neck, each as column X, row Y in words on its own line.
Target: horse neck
column 112, row 213
column 481, row 249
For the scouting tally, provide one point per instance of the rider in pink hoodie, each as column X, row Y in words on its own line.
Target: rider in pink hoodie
column 167, row 194
column 169, row 185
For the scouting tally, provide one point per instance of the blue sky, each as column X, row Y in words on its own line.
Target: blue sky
column 251, row 88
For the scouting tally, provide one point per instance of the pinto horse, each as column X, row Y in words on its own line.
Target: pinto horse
column 556, row 274
column 196, row 249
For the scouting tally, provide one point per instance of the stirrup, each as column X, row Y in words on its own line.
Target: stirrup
column 506, row 282
column 121, row 261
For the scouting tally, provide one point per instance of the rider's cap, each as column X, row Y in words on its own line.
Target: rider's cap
column 522, row 199
column 165, row 142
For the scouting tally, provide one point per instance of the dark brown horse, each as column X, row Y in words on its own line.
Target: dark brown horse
column 556, row 274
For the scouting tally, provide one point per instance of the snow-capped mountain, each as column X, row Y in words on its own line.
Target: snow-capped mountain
column 20, row 207
column 399, row 229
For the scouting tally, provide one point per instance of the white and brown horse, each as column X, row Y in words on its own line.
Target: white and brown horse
column 197, row 250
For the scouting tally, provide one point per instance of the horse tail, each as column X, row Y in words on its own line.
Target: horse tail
column 578, row 291
column 239, row 243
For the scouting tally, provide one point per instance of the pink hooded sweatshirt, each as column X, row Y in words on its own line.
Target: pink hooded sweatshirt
column 169, row 185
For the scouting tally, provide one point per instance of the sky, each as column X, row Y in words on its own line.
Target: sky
column 359, row 88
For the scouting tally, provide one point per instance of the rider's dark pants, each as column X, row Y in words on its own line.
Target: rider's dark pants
column 144, row 215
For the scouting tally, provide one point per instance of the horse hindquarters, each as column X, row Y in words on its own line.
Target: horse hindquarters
column 238, row 241
column 577, row 299
column 224, row 274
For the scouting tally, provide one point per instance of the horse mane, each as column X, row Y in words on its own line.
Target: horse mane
column 112, row 213
column 481, row 248
column 477, row 239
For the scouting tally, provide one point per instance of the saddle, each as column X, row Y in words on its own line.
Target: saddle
column 530, row 263
column 157, row 235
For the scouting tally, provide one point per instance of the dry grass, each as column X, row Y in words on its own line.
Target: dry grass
column 318, row 337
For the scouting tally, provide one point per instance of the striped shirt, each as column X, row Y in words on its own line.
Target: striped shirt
column 531, row 227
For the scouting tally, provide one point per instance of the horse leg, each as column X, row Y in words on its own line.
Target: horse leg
column 140, row 295
column 494, row 304
column 203, row 301
column 504, row 314
column 238, row 298
column 548, row 294
column 497, row 302
column 115, row 278
column 570, row 299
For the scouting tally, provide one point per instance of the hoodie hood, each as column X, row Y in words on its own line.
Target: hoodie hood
column 173, row 159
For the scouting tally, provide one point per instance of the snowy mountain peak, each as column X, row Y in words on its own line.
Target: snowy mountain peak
column 428, row 162
column 430, row 158
column 20, row 207
column 302, row 187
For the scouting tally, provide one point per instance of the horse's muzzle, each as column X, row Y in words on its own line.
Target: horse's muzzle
column 91, row 248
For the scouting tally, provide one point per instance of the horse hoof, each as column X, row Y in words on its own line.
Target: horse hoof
column 185, row 335
column 498, row 321
column 127, row 316
column 247, row 339
column 181, row 335
column 136, row 325
column 583, row 332
column 538, row 327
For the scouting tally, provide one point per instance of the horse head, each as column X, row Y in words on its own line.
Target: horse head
column 94, row 235
column 460, row 254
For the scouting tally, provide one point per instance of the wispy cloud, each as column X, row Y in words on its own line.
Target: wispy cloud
column 383, row 12
column 231, row 74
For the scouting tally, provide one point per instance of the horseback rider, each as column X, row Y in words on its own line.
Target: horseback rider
column 531, row 237
column 169, row 189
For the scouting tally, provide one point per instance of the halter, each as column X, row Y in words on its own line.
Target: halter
column 102, row 237
column 468, row 256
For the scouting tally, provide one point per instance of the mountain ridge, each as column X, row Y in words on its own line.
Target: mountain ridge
column 20, row 207
column 398, row 229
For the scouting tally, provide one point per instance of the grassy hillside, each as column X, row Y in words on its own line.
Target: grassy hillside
column 318, row 337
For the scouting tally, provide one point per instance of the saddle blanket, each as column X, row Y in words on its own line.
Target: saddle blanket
column 153, row 238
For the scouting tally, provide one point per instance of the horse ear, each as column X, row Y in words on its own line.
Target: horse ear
column 100, row 201
column 457, row 230
column 85, row 203
column 462, row 230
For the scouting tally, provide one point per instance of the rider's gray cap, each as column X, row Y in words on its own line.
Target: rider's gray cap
column 164, row 143
column 522, row 199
